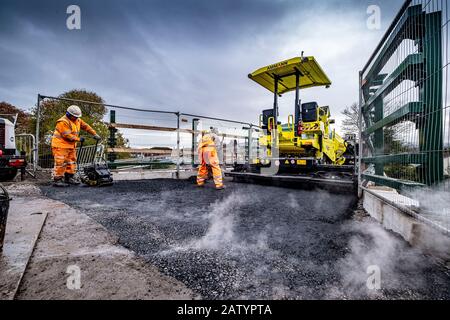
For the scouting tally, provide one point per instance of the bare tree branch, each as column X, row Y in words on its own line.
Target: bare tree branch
column 350, row 122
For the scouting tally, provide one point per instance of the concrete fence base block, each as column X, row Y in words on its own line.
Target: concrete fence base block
column 416, row 233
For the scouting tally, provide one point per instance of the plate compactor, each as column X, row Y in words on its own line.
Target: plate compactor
column 96, row 172
column 304, row 152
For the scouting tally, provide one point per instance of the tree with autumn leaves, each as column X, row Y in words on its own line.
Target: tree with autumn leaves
column 53, row 109
column 23, row 124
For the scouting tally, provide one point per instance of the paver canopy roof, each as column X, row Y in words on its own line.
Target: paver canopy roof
column 312, row 74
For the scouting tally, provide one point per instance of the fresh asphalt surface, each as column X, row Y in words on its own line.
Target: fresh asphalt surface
column 259, row 242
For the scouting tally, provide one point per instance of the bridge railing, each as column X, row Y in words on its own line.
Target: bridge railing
column 147, row 139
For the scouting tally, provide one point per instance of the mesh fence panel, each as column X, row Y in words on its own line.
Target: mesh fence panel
column 405, row 115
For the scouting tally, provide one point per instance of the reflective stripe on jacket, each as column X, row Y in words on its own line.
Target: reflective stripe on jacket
column 206, row 144
column 207, row 151
column 67, row 132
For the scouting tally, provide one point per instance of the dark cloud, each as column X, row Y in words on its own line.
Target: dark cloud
column 186, row 55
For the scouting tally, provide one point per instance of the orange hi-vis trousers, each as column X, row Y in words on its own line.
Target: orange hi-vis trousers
column 65, row 162
column 208, row 156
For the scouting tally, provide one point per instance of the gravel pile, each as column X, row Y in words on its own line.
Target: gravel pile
column 257, row 242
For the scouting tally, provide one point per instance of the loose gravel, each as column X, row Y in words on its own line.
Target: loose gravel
column 259, row 242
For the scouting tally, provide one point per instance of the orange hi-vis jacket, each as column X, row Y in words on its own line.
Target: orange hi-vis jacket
column 208, row 147
column 207, row 153
column 67, row 132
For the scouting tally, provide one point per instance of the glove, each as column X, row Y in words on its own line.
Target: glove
column 97, row 137
column 81, row 139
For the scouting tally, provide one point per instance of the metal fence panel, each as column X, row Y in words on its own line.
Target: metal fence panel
column 89, row 154
column 25, row 143
column 404, row 104
column 157, row 139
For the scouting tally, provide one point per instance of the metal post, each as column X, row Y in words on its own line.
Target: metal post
column 297, row 91
column 178, row 145
column 274, row 131
column 379, row 143
column 37, row 136
column 224, row 155
column 250, row 135
column 432, row 140
column 112, row 138
column 195, row 123
column 235, row 157
column 297, row 108
column 360, row 142
column 275, row 103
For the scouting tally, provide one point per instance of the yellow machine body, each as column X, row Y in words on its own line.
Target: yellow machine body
column 307, row 138
column 305, row 152
column 317, row 141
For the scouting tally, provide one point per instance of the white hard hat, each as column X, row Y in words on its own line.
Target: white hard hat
column 74, row 110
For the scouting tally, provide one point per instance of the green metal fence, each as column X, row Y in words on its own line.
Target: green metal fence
column 404, row 107
column 404, row 103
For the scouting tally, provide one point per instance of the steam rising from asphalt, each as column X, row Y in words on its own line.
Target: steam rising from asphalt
column 434, row 206
column 292, row 202
column 436, row 201
column 381, row 252
column 240, row 243
column 369, row 245
column 221, row 232
column 372, row 245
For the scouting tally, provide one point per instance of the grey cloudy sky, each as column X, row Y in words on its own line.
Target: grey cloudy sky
column 191, row 55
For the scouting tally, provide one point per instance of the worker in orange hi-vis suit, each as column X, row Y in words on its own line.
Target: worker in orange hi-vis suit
column 208, row 157
column 64, row 140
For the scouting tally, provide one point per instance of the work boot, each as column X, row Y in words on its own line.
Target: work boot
column 220, row 188
column 60, row 183
column 70, row 179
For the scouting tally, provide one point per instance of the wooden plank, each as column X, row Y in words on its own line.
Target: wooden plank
column 167, row 129
column 138, row 150
column 116, row 164
column 148, row 150
column 142, row 127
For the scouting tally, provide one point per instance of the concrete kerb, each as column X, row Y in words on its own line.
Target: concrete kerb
column 415, row 229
